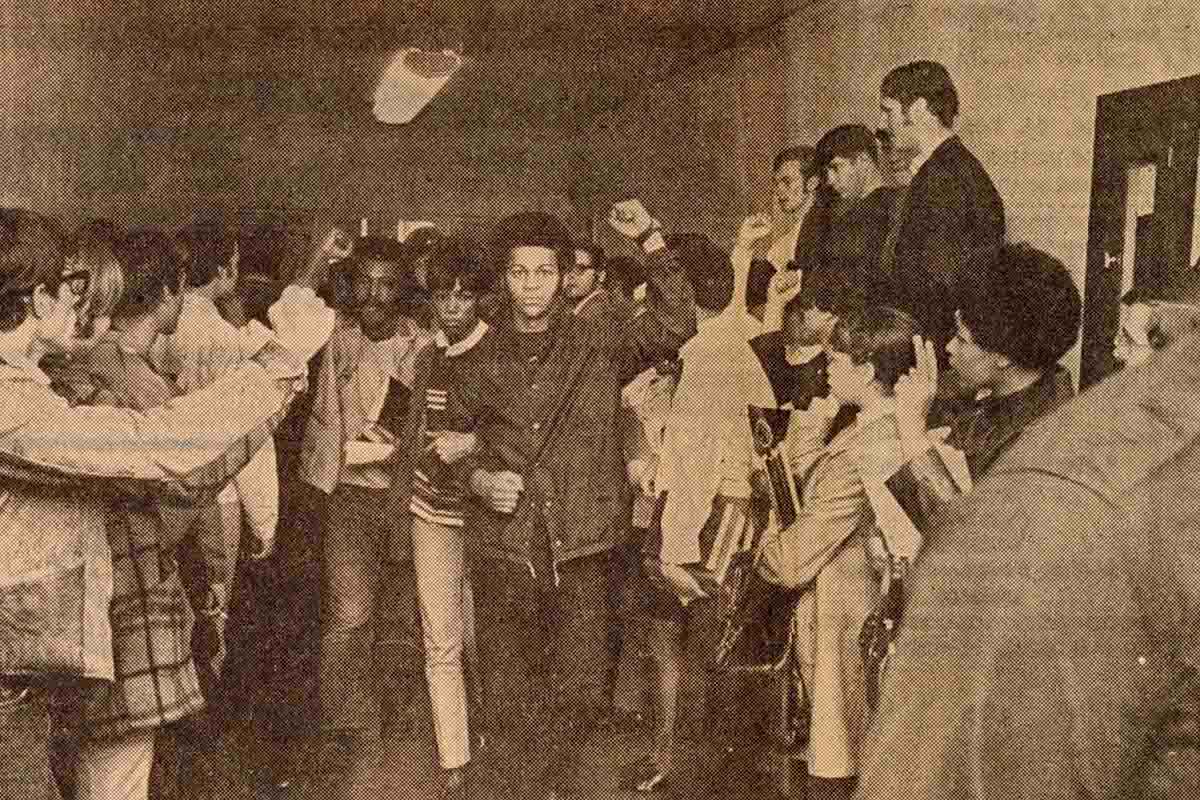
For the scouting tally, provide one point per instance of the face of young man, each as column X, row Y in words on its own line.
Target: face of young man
column 57, row 314
column 791, row 190
column 848, row 176
column 533, row 280
column 977, row 368
column 582, row 279
column 376, row 291
column 455, row 311
column 897, row 121
column 847, row 380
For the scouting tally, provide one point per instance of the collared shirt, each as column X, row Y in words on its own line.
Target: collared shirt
column 364, row 392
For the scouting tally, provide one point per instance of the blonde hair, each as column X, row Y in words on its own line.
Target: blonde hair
column 106, row 284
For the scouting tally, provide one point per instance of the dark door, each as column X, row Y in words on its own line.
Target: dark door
column 1142, row 208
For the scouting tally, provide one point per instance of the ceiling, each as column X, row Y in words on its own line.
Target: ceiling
column 534, row 64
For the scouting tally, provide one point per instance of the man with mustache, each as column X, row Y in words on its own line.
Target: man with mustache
column 366, row 372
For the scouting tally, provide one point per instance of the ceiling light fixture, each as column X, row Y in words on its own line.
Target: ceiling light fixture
column 411, row 79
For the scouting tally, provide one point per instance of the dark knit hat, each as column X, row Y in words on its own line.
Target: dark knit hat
column 1028, row 310
column 707, row 267
column 31, row 251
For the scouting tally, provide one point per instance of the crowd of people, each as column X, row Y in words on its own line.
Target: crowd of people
column 557, row 447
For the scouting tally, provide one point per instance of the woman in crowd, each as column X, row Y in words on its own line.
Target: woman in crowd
column 432, row 507
column 825, row 551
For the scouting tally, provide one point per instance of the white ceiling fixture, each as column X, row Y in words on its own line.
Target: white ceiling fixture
column 411, row 79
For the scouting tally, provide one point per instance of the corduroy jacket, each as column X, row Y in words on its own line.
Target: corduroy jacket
column 1049, row 645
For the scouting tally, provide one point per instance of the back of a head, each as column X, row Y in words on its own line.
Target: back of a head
column 32, row 253
column 927, row 80
column 106, row 281
column 1029, row 310
column 881, row 335
column 708, row 269
column 453, row 261
column 206, row 249
column 848, row 142
column 625, row 272
column 532, row 229
column 150, row 264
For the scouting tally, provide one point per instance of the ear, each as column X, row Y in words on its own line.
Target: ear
column 43, row 302
column 867, row 369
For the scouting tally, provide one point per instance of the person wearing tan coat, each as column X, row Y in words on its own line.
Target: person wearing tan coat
column 828, row 552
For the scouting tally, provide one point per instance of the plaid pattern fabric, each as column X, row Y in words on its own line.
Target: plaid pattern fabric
column 155, row 677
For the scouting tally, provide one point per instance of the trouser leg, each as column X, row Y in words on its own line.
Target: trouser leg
column 116, row 768
column 443, row 594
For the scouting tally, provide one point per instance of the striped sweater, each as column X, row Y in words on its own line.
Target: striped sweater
column 435, row 498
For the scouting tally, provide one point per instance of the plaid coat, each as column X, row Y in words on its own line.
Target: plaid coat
column 155, row 680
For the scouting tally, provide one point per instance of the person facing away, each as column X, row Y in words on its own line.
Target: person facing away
column 69, row 469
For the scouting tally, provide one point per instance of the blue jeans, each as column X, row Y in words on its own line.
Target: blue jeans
column 24, row 745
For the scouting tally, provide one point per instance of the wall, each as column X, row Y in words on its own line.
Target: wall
column 157, row 133
column 1028, row 74
column 698, row 147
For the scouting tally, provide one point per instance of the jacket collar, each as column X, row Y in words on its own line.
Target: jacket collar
column 17, row 367
column 462, row 345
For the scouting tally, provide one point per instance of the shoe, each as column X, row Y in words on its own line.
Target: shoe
column 644, row 777
column 457, row 783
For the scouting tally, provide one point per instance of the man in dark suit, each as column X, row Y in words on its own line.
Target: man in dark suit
column 1048, row 648
column 951, row 226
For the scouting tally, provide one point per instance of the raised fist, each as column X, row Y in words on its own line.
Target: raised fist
column 301, row 321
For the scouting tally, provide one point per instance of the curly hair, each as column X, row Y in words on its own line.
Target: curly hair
column 1029, row 310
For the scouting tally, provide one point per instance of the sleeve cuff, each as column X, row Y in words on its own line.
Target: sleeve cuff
column 652, row 240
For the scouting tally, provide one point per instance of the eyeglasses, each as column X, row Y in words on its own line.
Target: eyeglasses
column 77, row 280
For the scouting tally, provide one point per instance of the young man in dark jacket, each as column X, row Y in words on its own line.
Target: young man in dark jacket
column 951, row 221
column 544, row 389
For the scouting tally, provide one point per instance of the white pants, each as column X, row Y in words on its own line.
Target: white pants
column 115, row 769
column 448, row 624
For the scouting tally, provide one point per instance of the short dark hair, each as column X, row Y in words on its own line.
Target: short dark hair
column 379, row 249
column 926, row 80
column 848, row 141
column 453, row 260
column 799, row 153
column 625, row 271
column 32, row 254
column 707, row 267
column 206, row 248
column 881, row 335
column 1029, row 310
column 149, row 264
column 532, row 229
column 595, row 251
